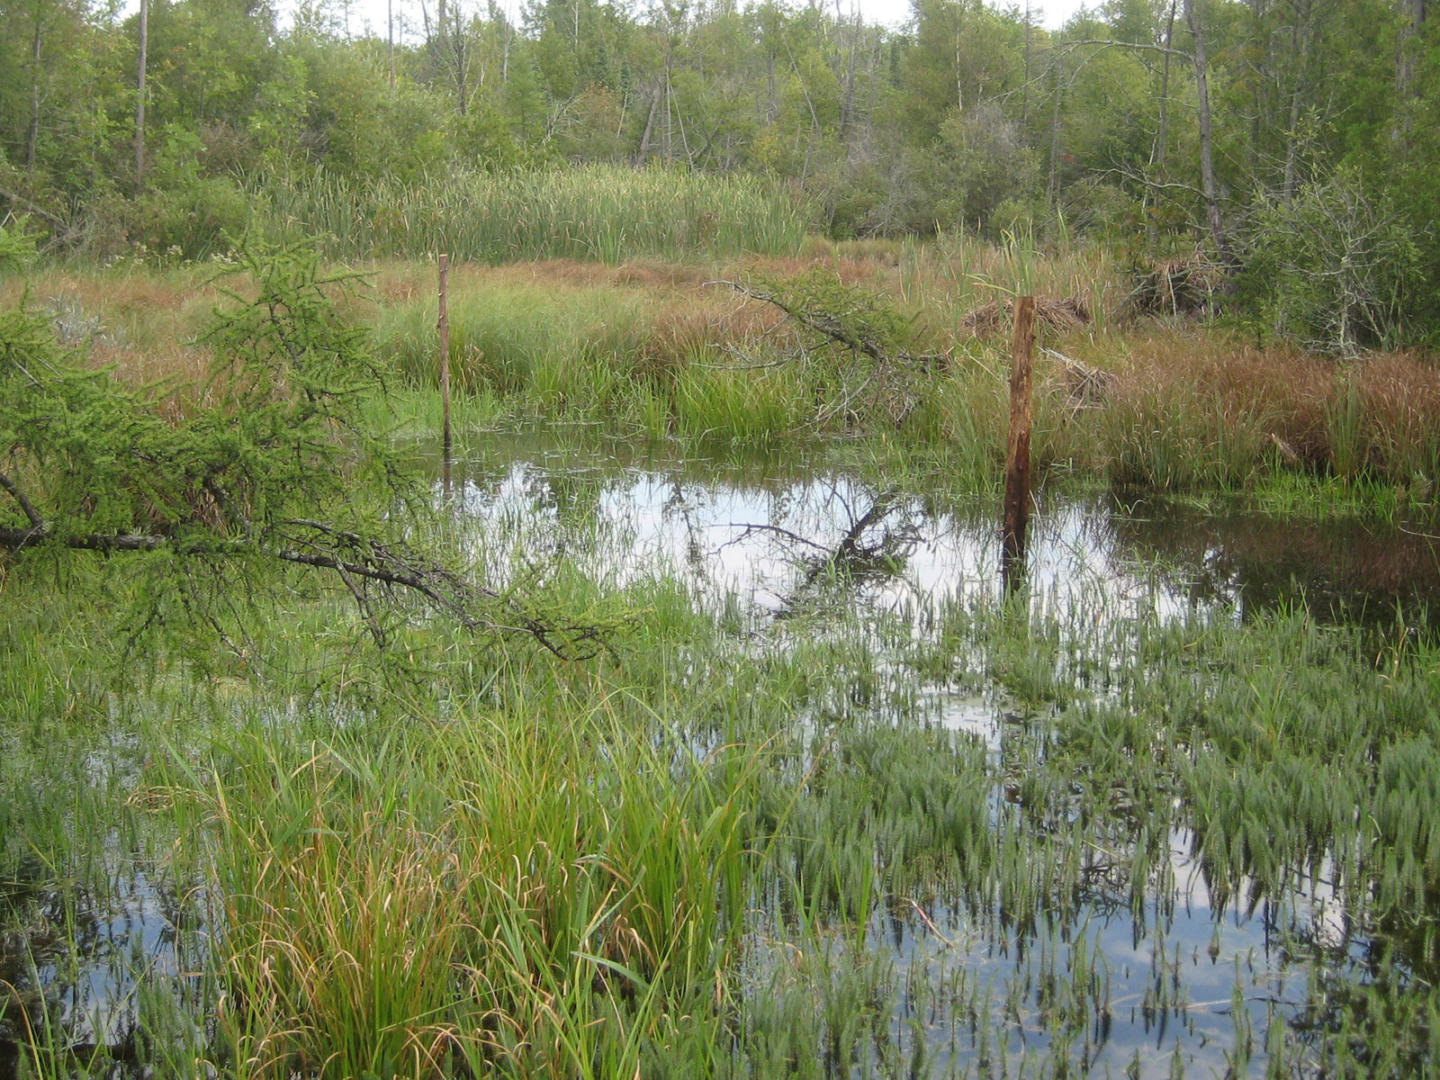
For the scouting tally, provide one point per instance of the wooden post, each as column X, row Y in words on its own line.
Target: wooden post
column 1017, row 456
column 445, row 367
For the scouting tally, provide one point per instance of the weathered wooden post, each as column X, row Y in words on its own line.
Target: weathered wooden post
column 1017, row 456
column 445, row 368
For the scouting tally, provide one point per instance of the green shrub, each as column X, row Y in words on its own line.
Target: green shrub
column 1335, row 268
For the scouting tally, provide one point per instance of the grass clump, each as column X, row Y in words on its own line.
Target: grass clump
column 520, row 893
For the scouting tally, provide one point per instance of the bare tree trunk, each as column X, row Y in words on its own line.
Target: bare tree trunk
column 1207, row 153
column 1025, row 85
column 1162, row 134
column 1412, row 21
column 140, row 98
column 1262, row 74
column 684, row 139
column 772, row 106
column 847, row 111
column 32, row 135
column 1052, row 186
column 644, row 150
column 460, row 56
column 665, row 135
column 1300, row 50
column 959, row 76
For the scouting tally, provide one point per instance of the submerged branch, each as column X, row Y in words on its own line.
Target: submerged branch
column 768, row 528
column 850, row 550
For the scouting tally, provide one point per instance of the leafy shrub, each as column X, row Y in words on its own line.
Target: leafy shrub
column 192, row 220
column 985, row 171
column 1334, row 268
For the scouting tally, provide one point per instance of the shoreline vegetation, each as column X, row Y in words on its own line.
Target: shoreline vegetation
column 1127, row 396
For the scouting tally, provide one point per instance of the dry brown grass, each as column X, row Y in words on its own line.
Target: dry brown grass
column 1285, row 388
column 706, row 323
column 1380, row 413
column 1400, row 396
column 394, row 288
column 401, row 283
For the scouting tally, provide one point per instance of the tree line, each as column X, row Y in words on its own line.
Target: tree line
column 1297, row 141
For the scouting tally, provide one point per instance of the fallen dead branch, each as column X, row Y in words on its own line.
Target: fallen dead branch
column 862, row 326
column 1086, row 387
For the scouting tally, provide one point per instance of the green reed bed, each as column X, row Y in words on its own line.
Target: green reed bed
column 594, row 212
column 556, row 348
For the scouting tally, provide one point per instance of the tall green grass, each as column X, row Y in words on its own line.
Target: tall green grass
column 526, row 893
column 603, row 213
column 531, row 343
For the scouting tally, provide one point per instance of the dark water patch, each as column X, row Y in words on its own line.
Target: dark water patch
column 1342, row 572
column 83, row 968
